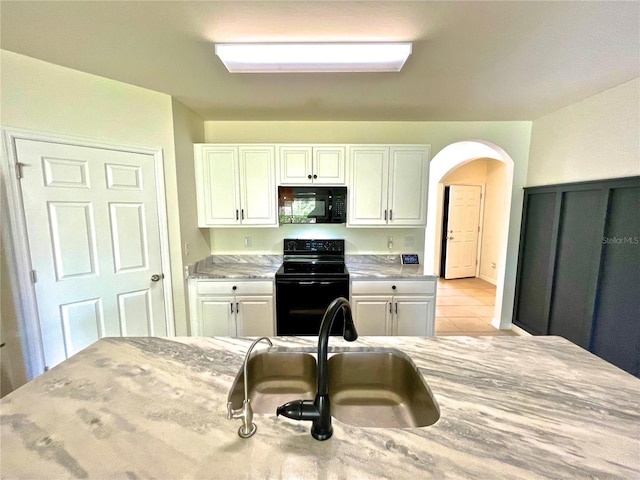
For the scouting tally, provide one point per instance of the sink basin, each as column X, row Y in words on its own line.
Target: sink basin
column 380, row 388
column 275, row 378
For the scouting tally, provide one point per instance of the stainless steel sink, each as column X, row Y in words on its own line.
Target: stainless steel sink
column 380, row 388
column 275, row 378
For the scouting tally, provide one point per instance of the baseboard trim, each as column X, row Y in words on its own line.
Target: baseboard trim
column 520, row 331
column 488, row 279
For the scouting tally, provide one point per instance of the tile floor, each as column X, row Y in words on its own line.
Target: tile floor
column 465, row 307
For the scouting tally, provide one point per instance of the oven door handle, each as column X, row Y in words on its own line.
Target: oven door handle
column 314, row 283
column 303, row 282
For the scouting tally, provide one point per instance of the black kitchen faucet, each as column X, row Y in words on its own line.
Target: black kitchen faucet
column 319, row 411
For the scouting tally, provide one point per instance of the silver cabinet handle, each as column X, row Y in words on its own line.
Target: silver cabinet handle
column 157, row 277
column 396, row 308
column 390, row 311
column 390, row 214
column 242, row 212
column 385, row 215
column 237, row 216
column 231, row 307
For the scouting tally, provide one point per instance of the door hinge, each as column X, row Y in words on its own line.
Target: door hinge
column 46, row 368
column 33, row 276
column 19, row 169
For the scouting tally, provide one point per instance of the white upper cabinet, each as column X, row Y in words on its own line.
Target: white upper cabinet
column 235, row 185
column 308, row 164
column 388, row 185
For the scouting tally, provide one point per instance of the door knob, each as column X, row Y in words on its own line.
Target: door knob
column 155, row 277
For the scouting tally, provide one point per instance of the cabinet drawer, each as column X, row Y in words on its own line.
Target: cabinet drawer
column 385, row 287
column 225, row 287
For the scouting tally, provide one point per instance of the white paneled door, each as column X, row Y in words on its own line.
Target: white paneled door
column 462, row 231
column 94, row 240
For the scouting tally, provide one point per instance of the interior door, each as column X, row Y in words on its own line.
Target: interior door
column 94, row 240
column 462, row 231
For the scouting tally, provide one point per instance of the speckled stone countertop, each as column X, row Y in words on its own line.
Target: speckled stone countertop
column 511, row 408
column 362, row 267
column 265, row 266
column 236, row 266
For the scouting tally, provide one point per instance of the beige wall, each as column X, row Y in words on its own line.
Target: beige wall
column 357, row 240
column 472, row 173
column 494, row 218
column 594, row 139
column 48, row 98
column 188, row 128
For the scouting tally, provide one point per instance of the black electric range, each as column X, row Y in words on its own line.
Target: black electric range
column 312, row 275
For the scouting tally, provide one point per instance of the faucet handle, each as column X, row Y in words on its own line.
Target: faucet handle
column 231, row 412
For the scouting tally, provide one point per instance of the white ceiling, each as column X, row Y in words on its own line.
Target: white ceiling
column 472, row 60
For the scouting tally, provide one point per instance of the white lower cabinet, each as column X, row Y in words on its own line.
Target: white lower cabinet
column 401, row 307
column 236, row 309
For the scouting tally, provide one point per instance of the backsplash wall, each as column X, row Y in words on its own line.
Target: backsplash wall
column 357, row 240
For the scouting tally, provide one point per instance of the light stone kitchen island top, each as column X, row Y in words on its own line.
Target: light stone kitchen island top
column 516, row 407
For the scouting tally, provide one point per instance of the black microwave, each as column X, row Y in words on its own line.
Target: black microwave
column 312, row 205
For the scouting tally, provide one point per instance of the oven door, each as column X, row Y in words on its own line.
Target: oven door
column 301, row 305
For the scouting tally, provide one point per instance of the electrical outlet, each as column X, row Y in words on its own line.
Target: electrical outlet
column 187, row 249
column 409, row 241
column 389, row 243
column 247, row 242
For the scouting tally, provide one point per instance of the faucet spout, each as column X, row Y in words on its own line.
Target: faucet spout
column 248, row 428
column 319, row 412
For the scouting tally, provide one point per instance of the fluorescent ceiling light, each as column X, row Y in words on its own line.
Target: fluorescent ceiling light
column 313, row 57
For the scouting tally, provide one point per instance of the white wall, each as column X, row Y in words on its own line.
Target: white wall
column 594, row 139
column 43, row 97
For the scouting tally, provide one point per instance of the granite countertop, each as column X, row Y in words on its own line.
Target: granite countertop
column 236, row 267
column 511, row 408
column 360, row 267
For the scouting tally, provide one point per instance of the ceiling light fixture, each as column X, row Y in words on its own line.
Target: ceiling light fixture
column 313, row 57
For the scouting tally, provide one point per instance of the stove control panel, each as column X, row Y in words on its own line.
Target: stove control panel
column 313, row 246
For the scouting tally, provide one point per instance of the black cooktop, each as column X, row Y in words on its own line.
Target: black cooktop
column 313, row 258
column 294, row 268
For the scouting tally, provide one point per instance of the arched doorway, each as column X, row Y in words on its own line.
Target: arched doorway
column 448, row 159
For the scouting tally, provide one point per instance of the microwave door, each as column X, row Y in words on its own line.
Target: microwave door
column 310, row 206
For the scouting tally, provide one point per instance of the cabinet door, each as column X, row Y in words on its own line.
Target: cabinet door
column 369, row 183
column 215, row 317
column 329, row 165
column 218, row 196
column 408, row 176
column 257, row 185
column 254, row 316
column 372, row 314
column 295, row 165
column 413, row 316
